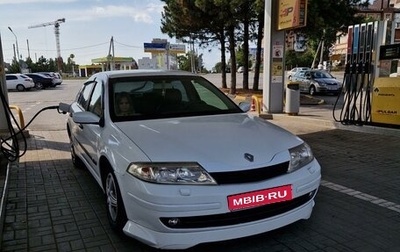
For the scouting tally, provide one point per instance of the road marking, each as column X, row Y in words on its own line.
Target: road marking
column 363, row 196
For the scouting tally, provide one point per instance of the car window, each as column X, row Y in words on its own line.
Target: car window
column 83, row 97
column 11, row 77
column 95, row 104
column 166, row 96
column 209, row 97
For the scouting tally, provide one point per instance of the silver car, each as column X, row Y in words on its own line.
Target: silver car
column 317, row 81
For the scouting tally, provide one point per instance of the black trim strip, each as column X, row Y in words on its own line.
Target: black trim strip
column 237, row 217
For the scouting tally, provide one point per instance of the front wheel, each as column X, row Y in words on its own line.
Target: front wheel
column 115, row 207
column 76, row 161
column 312, row 90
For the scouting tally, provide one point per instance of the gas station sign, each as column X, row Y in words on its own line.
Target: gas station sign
column 292, row 14
column 155, row 47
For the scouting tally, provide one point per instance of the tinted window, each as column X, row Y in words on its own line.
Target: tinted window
column 11, row 77
column 95, row 105
column 167, row 96
column 83, row 97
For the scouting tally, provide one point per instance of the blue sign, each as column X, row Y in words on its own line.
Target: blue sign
column 155, row 47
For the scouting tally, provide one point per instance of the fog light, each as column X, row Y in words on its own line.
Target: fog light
column 173, row 222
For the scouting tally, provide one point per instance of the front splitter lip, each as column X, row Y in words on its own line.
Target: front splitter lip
column 190, row 238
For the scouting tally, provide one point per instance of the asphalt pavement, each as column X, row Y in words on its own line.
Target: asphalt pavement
column 50, row 206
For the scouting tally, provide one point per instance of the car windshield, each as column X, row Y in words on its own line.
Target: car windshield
column 139, row 98
column 321, row 75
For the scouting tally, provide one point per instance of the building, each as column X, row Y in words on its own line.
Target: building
column 107, row 63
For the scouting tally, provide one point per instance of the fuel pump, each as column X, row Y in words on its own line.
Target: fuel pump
column 386, row 91
column 358, row 74
column 370, row 95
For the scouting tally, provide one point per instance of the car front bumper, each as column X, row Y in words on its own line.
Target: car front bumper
column 149, row 205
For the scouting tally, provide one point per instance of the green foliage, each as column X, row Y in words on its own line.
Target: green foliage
column 298, row 59
column 185, row 62
column 14, row 67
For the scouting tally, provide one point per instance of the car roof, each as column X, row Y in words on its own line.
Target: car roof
column 142, row 72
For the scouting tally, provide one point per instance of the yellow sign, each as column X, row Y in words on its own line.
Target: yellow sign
column 277, row 68
column 292, row 14
column 386, row 101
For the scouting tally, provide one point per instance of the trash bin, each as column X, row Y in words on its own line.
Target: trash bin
column 292, row 104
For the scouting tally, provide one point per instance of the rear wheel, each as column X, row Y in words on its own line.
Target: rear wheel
column 20, row 87
column 115, row 207
column 39, row 85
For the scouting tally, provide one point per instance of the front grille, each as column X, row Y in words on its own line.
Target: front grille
column 243, row 216
column 247, row 176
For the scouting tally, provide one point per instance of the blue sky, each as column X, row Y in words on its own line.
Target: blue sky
column 88, row 28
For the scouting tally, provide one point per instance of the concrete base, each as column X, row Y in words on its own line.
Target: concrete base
column 6, row 134
column 266, row 116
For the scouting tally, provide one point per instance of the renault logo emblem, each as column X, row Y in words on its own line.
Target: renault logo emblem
column 249, row 157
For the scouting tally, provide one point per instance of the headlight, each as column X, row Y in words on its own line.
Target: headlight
column 171, row 173
column 300, row 156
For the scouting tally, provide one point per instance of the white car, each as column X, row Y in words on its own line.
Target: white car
column 294, row 70
column 186, row 165
column 20, row 82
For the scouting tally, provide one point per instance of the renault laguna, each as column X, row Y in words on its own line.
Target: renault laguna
column 181, row 163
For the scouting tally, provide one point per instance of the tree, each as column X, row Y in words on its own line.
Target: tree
column 197, row 20
column 70, row 64
column 325, row 18
column 184, row 62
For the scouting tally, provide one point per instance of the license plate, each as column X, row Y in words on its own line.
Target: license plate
column 259, row 198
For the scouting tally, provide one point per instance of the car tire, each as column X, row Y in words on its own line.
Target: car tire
column 115, row 207
column 312, row 90
column 20, row 88
column 39, row 85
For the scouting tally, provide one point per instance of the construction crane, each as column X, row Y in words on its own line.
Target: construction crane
column 57, row 33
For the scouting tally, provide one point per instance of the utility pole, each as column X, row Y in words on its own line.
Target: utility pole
column 16, row 43
column 29, row 52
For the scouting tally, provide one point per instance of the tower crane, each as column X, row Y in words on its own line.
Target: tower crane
column 57, row 33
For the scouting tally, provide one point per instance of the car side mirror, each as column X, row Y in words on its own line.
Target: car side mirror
column 86, row 118
column 245, row 106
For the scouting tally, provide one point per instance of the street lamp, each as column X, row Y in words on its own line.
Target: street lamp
column 16, row 42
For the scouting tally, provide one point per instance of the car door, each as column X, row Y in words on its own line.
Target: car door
column 307, row 81
column 300, row 78
column 88, row 135
column 11, row 81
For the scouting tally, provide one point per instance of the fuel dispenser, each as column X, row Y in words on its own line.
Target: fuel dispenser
column 386, row 91
column 370, row 95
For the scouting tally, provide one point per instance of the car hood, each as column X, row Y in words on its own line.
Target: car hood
column 217, row 142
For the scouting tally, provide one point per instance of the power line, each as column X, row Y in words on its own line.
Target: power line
column 140, row 47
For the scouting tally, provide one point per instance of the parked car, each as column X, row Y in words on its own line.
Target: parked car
column 41, row 81
column 317, row 81
column 294, row 70
column 57, row 79
column 172, row 170
column 240, row 69
column 20, row 82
